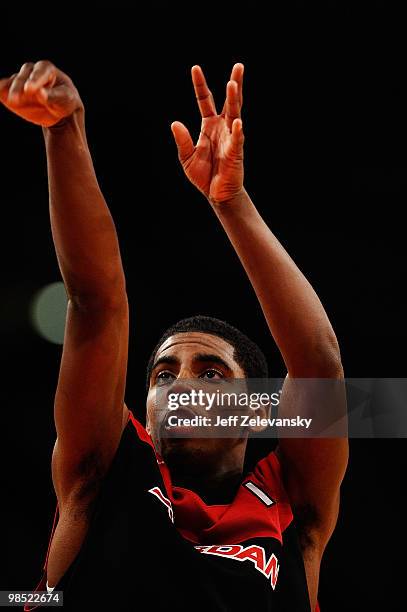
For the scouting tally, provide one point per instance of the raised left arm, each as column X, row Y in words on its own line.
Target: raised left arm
column 313, row 468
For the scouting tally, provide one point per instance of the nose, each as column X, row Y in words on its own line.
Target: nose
column 180, row 385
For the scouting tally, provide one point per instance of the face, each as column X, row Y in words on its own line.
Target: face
column 190, row 355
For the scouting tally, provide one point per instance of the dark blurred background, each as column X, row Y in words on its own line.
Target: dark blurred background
column 325, row 124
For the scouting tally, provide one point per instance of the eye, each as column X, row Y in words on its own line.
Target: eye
column 212, row 371
column 164, row 376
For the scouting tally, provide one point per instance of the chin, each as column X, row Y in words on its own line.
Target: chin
column 182, row 445
column 190, row 454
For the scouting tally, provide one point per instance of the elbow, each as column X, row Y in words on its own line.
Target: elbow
column 326, row 359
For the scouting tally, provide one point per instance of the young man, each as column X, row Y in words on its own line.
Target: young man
column 175, row 521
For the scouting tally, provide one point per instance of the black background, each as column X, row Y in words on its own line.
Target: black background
column 324, row 118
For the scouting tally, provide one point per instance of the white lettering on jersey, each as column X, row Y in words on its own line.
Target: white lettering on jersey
column 255, row 554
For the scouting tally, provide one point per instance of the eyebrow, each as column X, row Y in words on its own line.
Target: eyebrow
column 199, row 357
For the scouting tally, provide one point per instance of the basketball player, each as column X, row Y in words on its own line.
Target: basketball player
column 145, row 522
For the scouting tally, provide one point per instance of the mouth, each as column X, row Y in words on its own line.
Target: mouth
column 179, row 429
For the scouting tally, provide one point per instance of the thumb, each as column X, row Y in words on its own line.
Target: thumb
column 183, row 141
column 61, row 97
column 57, row 95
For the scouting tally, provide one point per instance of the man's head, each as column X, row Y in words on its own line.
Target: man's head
column 199, row 347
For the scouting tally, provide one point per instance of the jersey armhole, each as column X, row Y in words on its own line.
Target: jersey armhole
column 54, row 524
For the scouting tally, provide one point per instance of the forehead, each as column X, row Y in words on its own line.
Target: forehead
column 188, row 343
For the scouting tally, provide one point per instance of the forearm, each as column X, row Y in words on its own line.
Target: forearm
column 294, row 313
column 83, row 231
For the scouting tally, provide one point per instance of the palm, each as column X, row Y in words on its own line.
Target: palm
column 215, row 164
column 212, row 168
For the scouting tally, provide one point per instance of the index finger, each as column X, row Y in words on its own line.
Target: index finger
column 236, row 75
column 203, row 93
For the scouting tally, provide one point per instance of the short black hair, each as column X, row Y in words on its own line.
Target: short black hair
column 246, row 352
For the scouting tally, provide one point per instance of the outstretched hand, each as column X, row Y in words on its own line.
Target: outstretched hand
column 215, row 164
column 40, row 94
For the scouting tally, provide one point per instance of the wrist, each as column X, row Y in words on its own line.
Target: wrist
column 235, row 202
column 66, row 124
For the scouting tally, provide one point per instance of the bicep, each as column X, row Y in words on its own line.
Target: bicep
column 89, row 399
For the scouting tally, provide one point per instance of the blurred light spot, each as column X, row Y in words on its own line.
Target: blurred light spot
column 48, row 312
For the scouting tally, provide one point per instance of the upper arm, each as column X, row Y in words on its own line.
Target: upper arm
column 313, row 487
column 312, row 471
column 89, row 399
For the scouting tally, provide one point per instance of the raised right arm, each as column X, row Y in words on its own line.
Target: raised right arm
column 89, row 401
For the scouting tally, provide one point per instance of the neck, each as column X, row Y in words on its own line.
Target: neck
column 215, row 477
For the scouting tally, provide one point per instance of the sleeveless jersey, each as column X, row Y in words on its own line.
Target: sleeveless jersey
column 160, row 546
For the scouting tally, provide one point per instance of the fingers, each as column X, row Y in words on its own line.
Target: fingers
column 183, row 141
column 32, row 78
column 237, row 140
column 43, row 75
column 232, row 104
column 203, row 93
column 236, row 75
column 17, row 86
